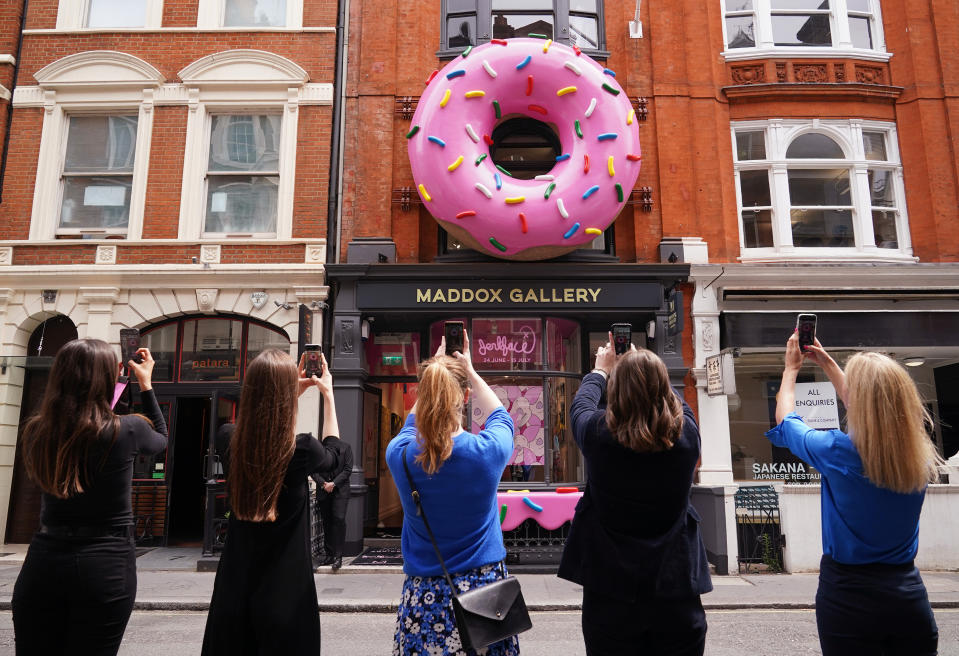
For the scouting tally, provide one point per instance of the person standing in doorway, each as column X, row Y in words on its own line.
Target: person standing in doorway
column 76, row 589
column 871, row 598
column 332, row 496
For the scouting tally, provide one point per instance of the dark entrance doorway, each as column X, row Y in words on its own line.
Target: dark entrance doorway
column 189, row 441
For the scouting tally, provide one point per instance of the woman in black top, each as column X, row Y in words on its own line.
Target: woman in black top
column 78, row 582
column 264, row 596
column 634, row 544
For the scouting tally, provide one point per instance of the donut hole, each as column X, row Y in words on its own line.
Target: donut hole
column 524, row 146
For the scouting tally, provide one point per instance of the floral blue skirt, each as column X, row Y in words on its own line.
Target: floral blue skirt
column 425, row 625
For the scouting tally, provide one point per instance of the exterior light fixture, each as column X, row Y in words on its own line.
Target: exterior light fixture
column 914, row 362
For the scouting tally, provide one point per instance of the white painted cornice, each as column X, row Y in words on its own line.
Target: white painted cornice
column 8, row 59
column 4, row 93
column 830, row 276
column 99, row 69
column 243, row 68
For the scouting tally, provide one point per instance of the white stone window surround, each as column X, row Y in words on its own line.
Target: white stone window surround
column 210, row 15
column 72, row 15
column 779, row 134
column 842, row 40
column 100, row 83
column 238, row 82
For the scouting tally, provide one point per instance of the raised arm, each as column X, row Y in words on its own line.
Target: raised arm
column 837, row 377
column 484, row 398
column 786, row 398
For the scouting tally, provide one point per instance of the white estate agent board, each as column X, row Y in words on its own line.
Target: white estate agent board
column 816, row 404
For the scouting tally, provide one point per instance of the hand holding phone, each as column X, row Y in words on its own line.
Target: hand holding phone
column 622, row 337
column 806, row 327
column 129, row 345
column 453, row 331
column 313, row 365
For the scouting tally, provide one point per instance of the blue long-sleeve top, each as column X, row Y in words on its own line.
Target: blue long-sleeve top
column 459, row 499
column 861, row 522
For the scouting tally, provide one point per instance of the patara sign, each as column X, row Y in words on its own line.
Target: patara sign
column 570, row 295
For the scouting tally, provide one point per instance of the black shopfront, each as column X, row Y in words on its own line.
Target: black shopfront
column 533, row 330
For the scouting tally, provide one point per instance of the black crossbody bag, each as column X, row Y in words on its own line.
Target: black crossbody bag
column 483, row 615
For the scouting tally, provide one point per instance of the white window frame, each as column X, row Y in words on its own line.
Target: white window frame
column 212, row 13
column 839, row 28
column 72, row 15
column 779, row 134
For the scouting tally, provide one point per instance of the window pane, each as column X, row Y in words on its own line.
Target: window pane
column 754, row 188
column 393, row 354
column 799, row 4
column 255, row 13
column 453, row 6
column 244, row 204
column 566, row 463
column 563, row 351
column 117, row 13
column 740, row 32
column 162, row 345
column 510, row 344
column 858, row 5
column 750, row 145
column 584, row 32
column 808, row 187
column 884, row 228
column 583, row 5
column 810, row 30
column 758, row 228
column 92, row 202
column 260, row 338
column 881, row 189
column 861, row 32
column 211, row 349
column 523, row 400
column 508, row 26
column 245, row 142
column 813, row 145
column 874, row 143
column 520, row 5
column 101, row 143
column 739, row 5
column 830, row 228
column 461, row 31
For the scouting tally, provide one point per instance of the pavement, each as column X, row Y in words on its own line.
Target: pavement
column 168, row 580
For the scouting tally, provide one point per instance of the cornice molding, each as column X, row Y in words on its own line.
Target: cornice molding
column 802, row 90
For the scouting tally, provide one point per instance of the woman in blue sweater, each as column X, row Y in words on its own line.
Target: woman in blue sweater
column 456, row 473
column 871, row 599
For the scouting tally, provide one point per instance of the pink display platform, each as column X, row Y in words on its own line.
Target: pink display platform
column 557, row 508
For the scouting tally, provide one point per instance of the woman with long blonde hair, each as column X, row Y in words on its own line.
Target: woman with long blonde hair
column 871, row 598
column 264, row 597
column 456, row 473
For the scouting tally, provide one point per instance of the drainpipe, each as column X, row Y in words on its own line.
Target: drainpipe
column 13, row 86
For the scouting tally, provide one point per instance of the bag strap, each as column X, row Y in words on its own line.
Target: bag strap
column 419, row 511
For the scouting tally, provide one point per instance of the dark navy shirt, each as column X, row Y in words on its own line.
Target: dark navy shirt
column 861, row 522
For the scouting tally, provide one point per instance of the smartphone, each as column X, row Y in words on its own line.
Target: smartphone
column 622, row 337
column 453, row 330
column 806, row 325
column 314, row 365
column 129, row 343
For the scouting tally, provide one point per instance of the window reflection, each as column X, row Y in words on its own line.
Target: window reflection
column 211, row 350
column 162, row 344
column 508, row 26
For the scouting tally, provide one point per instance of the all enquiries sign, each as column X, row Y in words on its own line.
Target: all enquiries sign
column 816, row 404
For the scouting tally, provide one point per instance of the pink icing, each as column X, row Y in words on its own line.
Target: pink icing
column 557, row 508
column 453, row 192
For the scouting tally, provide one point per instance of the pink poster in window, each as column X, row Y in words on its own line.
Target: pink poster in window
column 524, row 403
column 514, row 344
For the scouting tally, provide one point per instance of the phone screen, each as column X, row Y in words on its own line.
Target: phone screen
column 129, row 344
column 453, row 331
column 806, row 324
column 314, row 365
column 622, row 337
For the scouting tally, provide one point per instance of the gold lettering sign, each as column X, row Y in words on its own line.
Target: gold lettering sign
column 518, row 295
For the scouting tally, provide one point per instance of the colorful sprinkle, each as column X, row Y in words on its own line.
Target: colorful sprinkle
column 499, row 246
column 499, row 42
column 499, row 181
column 592, row 106
column 499, row 112
column 455, row 165
column 459, row 73
column 446, row 98
column 489, row 69
column 470, row 48
column 432, row 75
column 571, row 231
column 593, row 231
column 573, row 67
column 413, row 131
column 589, row 192
column 565, row 90
column 463, row 215
column 566, row 490
column 585, row 163
column 619, row 192
column 472, row 133
column 610, row 89
column 549, row 190
column 522, row 222
column 423, row 193
column 476, row 93
column 524, row 63
column 630, row 117
column 537, row 108
column 535, row 35
column 502, row 512
column 609, row 72
column 563, row 157
column 607, row 136
column 535, row 506
column 480, row 159
column 484, row 189
column 609, row 166
column 502, row 169
column 515, row 200
column 529, row 85
column 486, row 138
column 545, row 177
column 562, row 208
column 549, row 42
column 579, row 129
column 437, row 141
column 634, row 158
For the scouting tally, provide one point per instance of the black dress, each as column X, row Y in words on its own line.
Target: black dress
column 264, row 597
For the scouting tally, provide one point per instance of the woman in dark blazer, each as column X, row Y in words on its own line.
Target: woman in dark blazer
column 634, row 544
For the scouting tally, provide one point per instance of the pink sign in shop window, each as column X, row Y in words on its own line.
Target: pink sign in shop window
column 524, row 403
column 513, row 344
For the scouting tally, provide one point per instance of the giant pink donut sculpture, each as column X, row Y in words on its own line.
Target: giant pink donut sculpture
column 507, row 217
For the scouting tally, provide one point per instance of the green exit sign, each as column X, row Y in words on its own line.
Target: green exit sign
column 392, row 359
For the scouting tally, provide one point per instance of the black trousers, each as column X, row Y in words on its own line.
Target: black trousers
column 74, row 596
column 333, row 512
column 664, row 627
column 879, row 610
